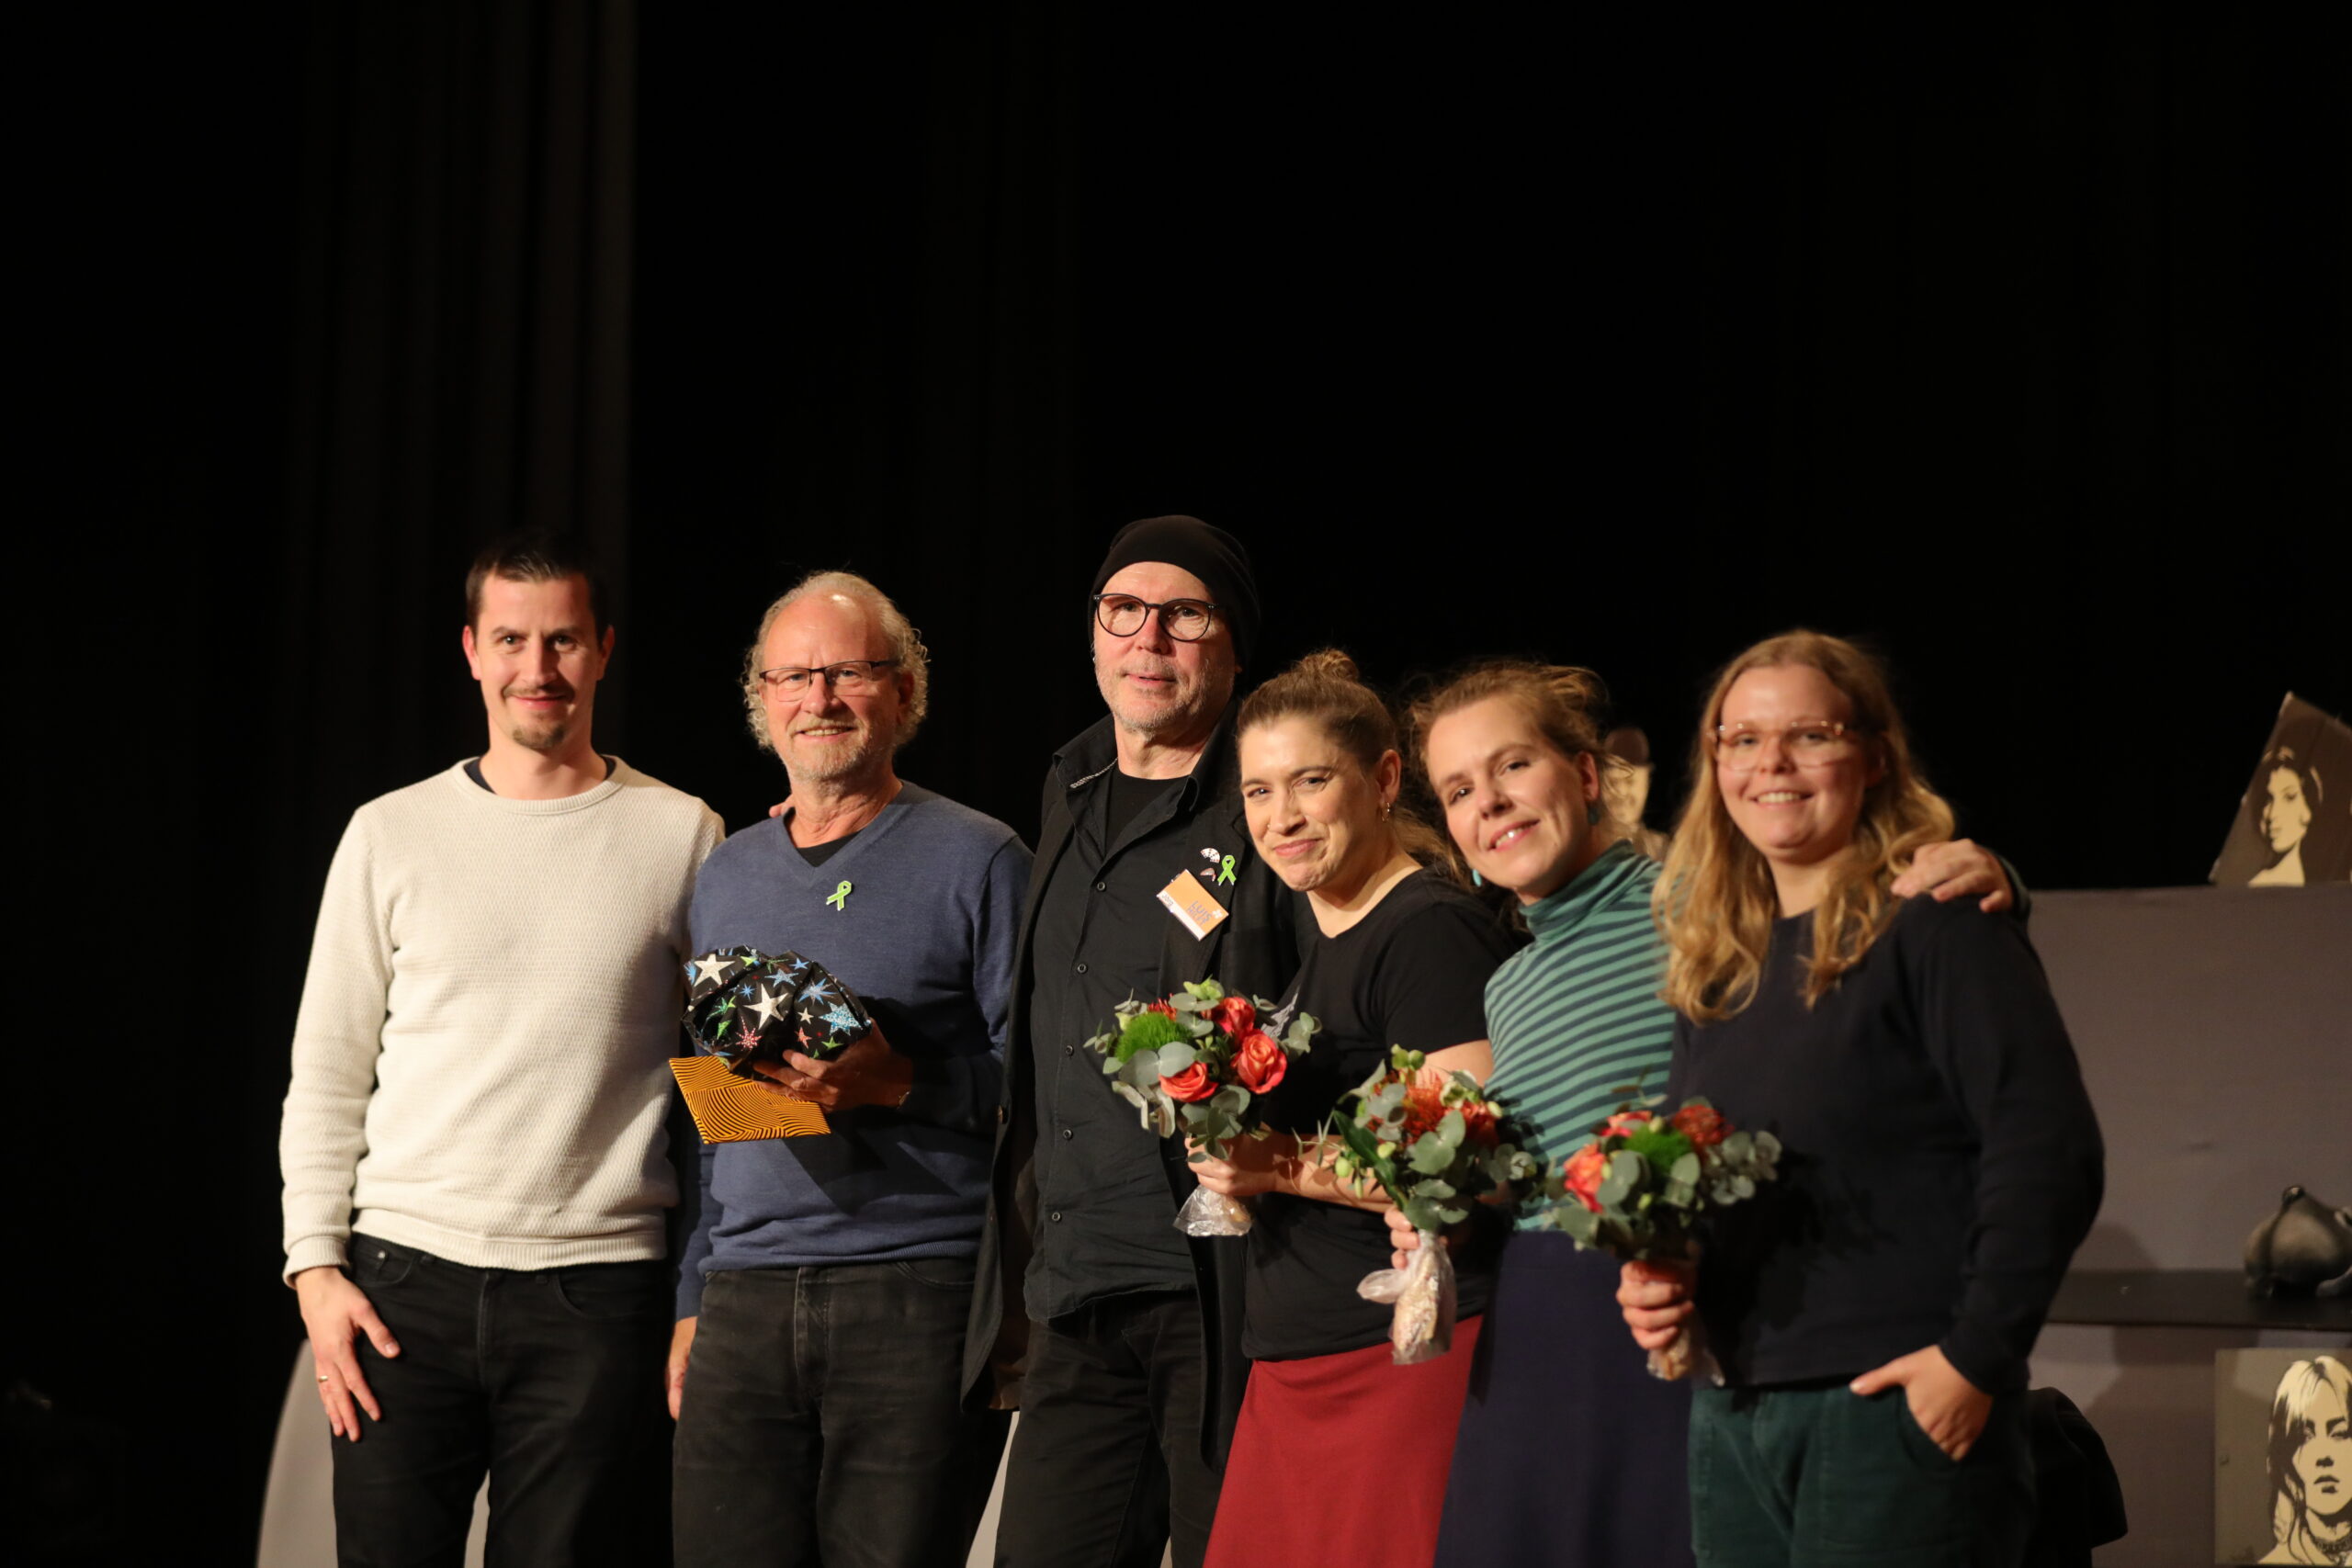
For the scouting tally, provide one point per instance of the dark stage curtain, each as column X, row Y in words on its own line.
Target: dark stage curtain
column 2020, row 342
column 461, row 304
column 859, row 335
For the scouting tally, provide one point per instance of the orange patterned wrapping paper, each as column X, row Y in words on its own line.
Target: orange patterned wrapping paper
column 729, row 1110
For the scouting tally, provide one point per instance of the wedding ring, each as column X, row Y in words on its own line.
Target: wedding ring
column 322, row 1377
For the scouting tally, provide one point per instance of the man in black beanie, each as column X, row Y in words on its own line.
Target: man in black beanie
column 1116, row 1335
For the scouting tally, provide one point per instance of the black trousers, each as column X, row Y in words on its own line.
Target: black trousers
column 1106, row 1468
column 548, row 1380
column 822, row 1423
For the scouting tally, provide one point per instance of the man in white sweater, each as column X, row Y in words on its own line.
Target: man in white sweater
column 476, row 1171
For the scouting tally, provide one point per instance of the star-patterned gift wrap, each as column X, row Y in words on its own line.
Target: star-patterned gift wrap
column 744, row 1006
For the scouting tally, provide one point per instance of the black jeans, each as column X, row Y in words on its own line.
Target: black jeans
column 548, row 1380
column 1106, row 1465
column 822, row 1421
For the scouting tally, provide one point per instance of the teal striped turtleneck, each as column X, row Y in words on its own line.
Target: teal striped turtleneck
column 1576, row 1016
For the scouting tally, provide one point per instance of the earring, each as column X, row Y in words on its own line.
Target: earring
column 1476, row 880
column 1385, row 807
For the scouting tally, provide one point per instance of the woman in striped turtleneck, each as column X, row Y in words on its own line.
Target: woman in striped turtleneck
column 1568, row 1450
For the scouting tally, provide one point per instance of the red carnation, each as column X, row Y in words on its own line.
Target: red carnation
column 1162, row 1008
column 1703, row 1125
column 1583, row 1175
column 1190, row 1084
column 1234, row 1015
column 1259, row 1061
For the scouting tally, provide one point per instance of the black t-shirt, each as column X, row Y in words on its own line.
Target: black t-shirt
column 1411, row 972
column 817, row 855
column 1129, row 796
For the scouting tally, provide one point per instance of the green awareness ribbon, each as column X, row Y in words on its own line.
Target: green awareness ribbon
column 1225, row 872
column 839, row 898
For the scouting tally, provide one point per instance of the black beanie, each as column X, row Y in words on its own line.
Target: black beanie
column 1210, row 554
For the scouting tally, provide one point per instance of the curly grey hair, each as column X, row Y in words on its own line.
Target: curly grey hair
column 905, row 648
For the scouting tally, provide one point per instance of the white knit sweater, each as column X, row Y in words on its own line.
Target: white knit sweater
column 493, row 991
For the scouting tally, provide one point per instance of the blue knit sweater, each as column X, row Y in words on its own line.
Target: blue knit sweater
column 925, row 935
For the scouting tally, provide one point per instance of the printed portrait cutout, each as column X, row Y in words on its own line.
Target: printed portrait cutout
column 2282, row 1447
column 2294, row 824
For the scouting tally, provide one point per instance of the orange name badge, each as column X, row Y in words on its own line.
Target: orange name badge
column 1193, row 904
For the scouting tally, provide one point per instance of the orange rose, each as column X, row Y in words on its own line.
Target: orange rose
column 1259, row 1061
column 1235, row 1016
column 1479, row 1123
column 1627, row 1122
column 1190, row 1084
column 1583, row 1175
column 1703, row 1125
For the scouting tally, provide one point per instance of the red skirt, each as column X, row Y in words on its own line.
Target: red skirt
column 1343, row 1459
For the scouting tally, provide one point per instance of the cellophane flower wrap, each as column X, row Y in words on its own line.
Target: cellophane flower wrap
column 1196, row 1064
column 1436, row 1145
column 1640, row 1189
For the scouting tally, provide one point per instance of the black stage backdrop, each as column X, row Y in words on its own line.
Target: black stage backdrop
column 2016, row 345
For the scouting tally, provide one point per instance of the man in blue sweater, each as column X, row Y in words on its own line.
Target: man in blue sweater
column 815, row 1369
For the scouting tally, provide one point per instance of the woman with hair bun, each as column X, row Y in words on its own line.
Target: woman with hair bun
column 1871, row 1311
column 1340, row 1456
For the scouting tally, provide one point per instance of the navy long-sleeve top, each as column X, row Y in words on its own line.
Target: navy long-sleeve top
column 1942, row 1160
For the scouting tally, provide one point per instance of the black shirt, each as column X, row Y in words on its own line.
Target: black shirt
column 1942, row 1160
column 1411, row 972
column 1105, row 1216
column 817, row 855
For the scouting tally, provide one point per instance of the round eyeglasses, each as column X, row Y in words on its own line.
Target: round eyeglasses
column 1740, row 748
column 850, row 677
column 1186, row 620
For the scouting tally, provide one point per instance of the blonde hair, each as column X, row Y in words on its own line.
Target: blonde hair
column 913, row 658
column 1324, row 689
column 2292, row 1426
column 1715, row 902
column 1564, row 701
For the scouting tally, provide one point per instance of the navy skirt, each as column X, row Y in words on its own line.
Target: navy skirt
column 1569, row 1451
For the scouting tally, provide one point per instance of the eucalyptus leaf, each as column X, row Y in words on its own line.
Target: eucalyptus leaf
column 1175, row 1058
column 1430, row 1155
column 1623, row 1176
column 1686, row 1170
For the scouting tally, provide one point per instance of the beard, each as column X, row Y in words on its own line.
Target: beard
column 832, row 762
column 539, row 734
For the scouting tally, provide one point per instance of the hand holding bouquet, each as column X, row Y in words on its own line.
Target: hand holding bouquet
column 1639, row 1190
column 1434, row 1143
column 1196, row 1063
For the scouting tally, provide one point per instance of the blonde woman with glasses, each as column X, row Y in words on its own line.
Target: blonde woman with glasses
column 1872, row 1310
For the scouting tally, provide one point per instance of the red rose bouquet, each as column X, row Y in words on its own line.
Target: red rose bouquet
column 1435, row 1144
column 1196, row 1064
column 1639, row 1190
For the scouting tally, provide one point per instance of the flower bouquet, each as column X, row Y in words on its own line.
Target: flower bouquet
column 1195, row 1064
column 1639, row 1190
column 1435, row 1144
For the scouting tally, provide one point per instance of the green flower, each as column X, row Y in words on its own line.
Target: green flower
column 1148, row 1031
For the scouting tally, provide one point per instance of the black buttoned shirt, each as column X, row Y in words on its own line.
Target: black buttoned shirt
column 1106, row 1219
